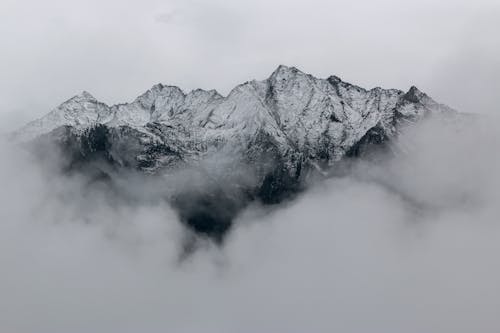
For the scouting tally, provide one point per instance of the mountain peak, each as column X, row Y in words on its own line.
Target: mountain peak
column 414, row 95
column 82, row 97
column 86, row 95
column 333, row 79
column 283, row 70
column 158, row 86
column 199, row 91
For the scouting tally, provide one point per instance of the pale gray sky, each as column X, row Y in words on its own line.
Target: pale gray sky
column 116, row 49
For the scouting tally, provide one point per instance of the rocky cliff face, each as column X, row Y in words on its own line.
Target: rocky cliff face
column 258, row 143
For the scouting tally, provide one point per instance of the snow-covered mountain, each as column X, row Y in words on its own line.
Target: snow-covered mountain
column 322, row 119
column 278, row 130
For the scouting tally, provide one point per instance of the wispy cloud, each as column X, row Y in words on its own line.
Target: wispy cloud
column 403, row 246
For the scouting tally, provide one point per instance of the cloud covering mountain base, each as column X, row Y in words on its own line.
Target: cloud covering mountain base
column 405, row 245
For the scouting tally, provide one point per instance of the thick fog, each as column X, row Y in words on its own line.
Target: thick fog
column 406, row 245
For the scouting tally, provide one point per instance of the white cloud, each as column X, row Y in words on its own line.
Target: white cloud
column 406, row 246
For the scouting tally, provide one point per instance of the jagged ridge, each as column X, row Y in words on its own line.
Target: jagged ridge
column 281, row 129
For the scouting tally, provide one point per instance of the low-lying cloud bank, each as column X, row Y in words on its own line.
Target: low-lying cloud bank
column 409, row 245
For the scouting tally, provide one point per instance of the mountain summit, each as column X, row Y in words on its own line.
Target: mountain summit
column 260, row 142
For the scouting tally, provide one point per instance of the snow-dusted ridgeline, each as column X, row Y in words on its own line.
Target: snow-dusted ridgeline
column 260, row 142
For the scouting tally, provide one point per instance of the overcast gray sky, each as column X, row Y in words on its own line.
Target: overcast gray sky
column 116, row 49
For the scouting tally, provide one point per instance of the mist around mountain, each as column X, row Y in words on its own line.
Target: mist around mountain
column 400, row 244
column 210, row 156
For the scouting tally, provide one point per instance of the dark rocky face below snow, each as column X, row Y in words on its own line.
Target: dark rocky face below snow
column 210, row 156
